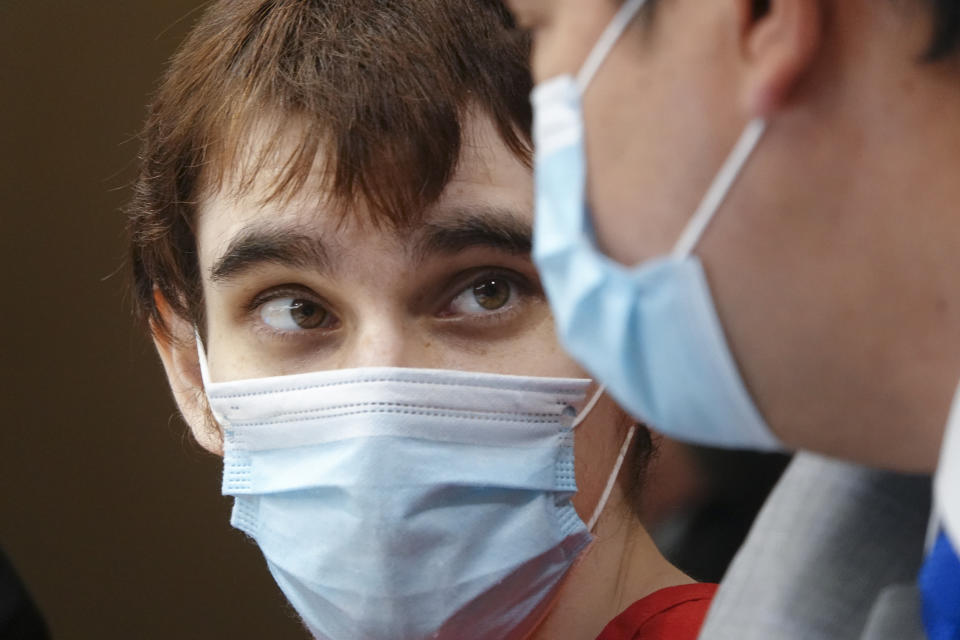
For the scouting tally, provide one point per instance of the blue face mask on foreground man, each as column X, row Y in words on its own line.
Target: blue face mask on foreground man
column 822, row 301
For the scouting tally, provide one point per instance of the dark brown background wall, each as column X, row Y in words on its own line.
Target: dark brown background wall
column 112, row 516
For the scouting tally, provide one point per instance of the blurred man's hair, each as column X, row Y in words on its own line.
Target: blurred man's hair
column 944, row 41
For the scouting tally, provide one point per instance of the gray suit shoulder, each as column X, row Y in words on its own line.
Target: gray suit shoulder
column 832, row 555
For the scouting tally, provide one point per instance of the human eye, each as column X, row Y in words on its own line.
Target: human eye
column 291, row 312
column 485, row 295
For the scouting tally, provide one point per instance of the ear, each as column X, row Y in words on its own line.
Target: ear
column 779, row 42
column 178, row 352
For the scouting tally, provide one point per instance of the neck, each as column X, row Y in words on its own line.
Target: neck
column 621, row 566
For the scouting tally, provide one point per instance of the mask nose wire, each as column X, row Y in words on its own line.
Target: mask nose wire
column 606, row 41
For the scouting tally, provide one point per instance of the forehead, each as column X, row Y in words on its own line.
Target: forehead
column 487, row 175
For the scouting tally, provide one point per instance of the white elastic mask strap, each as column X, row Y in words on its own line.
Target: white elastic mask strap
column 612, row 480
column 588, row 408
column 202, row 358
column 607, row 39
column 718, row 191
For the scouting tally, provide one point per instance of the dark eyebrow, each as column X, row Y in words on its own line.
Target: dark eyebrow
column 493, row 227
column 257, row 246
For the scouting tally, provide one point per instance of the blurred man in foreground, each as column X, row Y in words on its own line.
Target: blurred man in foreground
column 757, row 201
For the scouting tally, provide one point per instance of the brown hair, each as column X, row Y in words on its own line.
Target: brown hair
column 377, row 88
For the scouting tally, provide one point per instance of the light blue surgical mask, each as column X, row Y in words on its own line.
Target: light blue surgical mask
column 404, row 504
column 650, row 333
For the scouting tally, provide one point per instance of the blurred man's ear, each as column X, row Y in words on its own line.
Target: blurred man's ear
column 178, row 352
column 779, row 42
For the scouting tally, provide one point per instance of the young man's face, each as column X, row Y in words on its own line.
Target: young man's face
column 289, row 290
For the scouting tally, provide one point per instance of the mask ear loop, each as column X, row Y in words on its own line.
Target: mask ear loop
column 721, row 186
column 615, row 472
column 588, row 408
column 202, row 357
column 606, row 41
column 612, row 480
